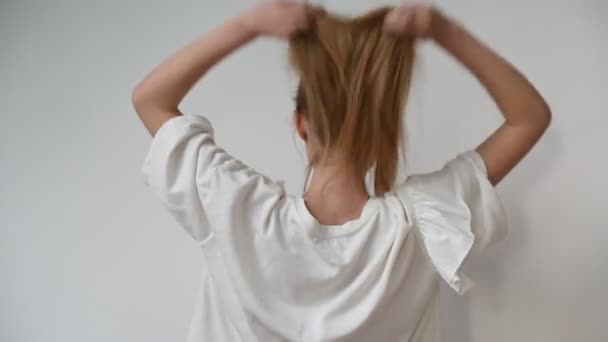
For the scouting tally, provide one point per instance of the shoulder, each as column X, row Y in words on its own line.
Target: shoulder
column 455, row 210
column 460, row 173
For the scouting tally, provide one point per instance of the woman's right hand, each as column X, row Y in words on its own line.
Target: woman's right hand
column 279, row 18
column 414, row 19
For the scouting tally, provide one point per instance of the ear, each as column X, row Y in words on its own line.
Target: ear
column 302, row 126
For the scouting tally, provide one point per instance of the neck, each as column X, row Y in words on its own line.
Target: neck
column 335, row 196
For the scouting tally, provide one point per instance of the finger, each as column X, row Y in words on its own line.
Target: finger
column 315, row 12
column 317, row 9
column 397, row 20
column 301, row 25
column 391, row 25
column 302, row 19
column 407, row 20
column 392, row 19
column 391, row 16
column 311, row 13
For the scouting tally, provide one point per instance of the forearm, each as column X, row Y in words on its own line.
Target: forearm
column 160, row 93
column 518, row 100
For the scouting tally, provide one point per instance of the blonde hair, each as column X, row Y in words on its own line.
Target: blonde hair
column 354, row 82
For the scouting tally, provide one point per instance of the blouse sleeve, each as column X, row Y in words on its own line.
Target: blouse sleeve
column 456, row 210
column 198, row 181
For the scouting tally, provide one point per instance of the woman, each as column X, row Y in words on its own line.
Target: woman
column 339, row 263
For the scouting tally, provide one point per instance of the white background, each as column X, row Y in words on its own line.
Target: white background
column 88, row 254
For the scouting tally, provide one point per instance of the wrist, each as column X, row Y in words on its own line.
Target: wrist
column 443, row 29
column 248, row 23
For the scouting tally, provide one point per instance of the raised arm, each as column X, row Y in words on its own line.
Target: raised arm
column 526, row 114
column 157, row 97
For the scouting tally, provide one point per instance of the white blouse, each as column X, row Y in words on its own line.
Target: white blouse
column 273, row 273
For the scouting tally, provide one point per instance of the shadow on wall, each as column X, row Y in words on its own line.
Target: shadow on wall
column 489, row 271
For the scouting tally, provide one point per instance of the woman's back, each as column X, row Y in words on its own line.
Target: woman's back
column 275, row 273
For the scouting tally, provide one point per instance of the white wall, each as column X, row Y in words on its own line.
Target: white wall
column 88, row 254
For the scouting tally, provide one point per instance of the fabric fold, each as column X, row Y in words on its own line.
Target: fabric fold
column 457, row 211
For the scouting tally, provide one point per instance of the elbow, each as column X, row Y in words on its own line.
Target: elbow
column 147, row 100
column 534, row 117
column 545, row 116
column 538, row 115
column 139, row 99
column 539, row 120
column 150, row 111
